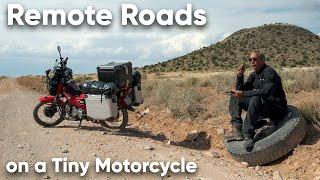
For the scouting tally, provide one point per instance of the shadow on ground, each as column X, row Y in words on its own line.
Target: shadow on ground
column 202, row 142
column 83, row 127
column 312, row 136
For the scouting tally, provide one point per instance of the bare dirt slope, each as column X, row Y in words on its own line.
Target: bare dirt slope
column 21, row 139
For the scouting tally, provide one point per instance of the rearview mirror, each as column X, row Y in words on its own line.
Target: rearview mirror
column 59, row 50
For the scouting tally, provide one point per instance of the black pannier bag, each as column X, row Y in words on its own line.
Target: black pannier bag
column 136, row 76
column 97, row 88
column 137, row 91
column 53, row 86
column 73, row 89
column 118, row 73
column 52, row 83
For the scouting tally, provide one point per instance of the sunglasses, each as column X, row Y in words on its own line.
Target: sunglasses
column 253, row 59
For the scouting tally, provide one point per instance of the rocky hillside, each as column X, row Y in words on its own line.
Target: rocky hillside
column 284, row 45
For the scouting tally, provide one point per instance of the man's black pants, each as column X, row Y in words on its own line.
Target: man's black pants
column 256, row 108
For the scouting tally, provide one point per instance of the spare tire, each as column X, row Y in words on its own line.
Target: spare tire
column 287, row 134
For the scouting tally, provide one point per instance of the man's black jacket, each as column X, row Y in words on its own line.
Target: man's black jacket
column 266, row 84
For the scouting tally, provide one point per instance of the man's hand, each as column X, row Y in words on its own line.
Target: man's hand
column 241, row 69
column 237, row 94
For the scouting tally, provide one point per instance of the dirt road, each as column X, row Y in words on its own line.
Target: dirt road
column 21, row 139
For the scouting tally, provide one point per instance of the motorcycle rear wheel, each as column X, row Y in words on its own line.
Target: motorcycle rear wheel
column 45, row 114
column 117, row 124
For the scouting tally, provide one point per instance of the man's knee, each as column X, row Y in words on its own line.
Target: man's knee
column 255, row 100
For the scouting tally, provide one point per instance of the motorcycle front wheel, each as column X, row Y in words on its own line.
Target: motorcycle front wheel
column 47, row 114
column 116, row 124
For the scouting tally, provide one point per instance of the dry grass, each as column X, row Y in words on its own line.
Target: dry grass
column 167, row 89
column 201, row 95
column 310, row 108
column 299, row 80
column 181, row 103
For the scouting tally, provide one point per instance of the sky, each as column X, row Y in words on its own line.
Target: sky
column 26, row 50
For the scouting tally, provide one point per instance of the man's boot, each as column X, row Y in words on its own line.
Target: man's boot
column 235, row 135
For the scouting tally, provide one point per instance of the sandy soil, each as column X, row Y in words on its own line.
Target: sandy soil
column 302, row 163
column 22, row 139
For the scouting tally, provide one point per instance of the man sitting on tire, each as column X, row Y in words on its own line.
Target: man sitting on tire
column 261, row 95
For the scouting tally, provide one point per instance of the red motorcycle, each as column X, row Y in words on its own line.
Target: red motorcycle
column 106, row 103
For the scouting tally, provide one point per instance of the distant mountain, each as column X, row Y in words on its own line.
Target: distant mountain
column 284, row 45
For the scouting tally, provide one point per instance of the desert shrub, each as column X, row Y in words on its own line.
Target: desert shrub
column 182, row 103
column 190, row 82
column 148, row 88
column 221, row 82
column 311, row 111
column 301, row 80
column 185, row 104
column 164, row 91
column 289, row 85
column 205, row 83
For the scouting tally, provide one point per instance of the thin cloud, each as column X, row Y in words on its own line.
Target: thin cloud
column 35, row 49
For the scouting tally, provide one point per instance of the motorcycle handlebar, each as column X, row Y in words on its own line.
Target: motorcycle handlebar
column 63, row 61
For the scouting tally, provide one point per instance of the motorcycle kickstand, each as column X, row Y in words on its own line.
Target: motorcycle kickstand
column 79, row 125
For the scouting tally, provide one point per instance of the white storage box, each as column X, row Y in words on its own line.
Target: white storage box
column 101, row 109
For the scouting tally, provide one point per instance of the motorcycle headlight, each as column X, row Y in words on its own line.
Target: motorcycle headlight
column 51, row 74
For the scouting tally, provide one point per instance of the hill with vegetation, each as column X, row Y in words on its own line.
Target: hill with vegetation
column 284, row 45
